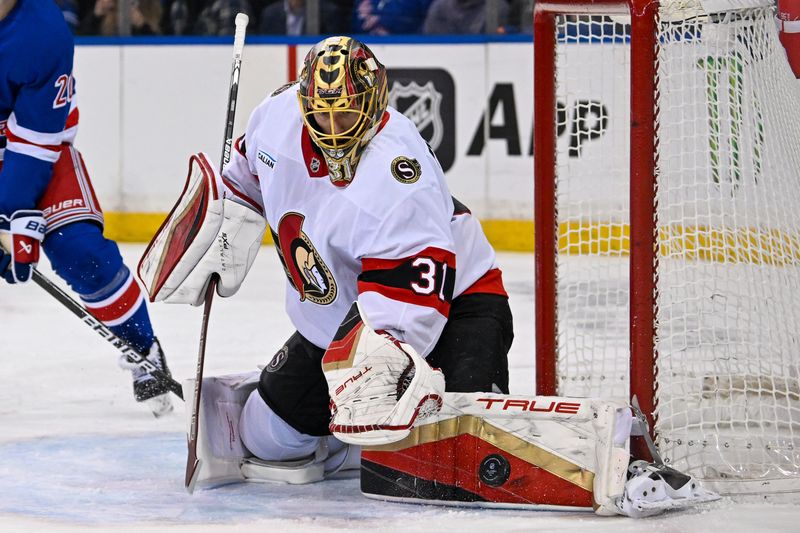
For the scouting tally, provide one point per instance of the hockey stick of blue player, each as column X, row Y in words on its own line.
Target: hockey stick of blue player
column 192, row 462
column 78, row 310
column 86, row 317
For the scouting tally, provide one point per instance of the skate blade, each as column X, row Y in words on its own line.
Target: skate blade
column 702, row 497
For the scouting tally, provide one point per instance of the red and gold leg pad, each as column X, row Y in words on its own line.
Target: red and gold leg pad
column 493, row 450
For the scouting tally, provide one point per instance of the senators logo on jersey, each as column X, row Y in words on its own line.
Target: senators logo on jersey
column 307, row 272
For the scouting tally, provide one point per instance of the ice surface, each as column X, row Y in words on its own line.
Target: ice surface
column 77, row 453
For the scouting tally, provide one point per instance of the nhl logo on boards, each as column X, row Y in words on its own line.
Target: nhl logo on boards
column 494, row 470
column 406, row 169
column 421, row 103
column 427, row 97
column 278, row 360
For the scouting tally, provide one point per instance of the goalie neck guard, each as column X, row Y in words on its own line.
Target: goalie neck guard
column 342, row 96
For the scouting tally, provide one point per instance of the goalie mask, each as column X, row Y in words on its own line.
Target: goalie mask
column 342, row 97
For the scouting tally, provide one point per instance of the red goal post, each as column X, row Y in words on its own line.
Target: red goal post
column 642, row 183
column 679, row 285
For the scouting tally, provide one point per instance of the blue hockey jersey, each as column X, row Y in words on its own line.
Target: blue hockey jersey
column 38, row 111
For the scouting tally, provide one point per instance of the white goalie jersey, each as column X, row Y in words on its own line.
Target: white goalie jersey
column 394, row 239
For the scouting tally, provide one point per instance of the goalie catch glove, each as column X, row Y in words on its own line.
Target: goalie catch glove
column 206, row 233
column 379, row 386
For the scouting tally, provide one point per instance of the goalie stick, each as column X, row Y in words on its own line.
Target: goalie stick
column 192, row 462
column 87, row 318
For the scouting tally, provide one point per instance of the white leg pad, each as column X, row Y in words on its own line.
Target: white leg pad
column 241, row 439
column 219, row 445
column 269, row 437
column 299, row 472
column 613, row 456
column 493, row 450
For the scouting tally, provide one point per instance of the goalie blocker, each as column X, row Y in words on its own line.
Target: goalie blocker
column 206, row 233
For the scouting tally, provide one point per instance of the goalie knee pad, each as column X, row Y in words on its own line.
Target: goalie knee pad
column 204, row 234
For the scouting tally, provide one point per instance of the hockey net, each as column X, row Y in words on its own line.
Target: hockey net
column 668, row 226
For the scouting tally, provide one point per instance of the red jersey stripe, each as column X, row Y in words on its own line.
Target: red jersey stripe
column 12, row 138
column 489, row 283
column 407, row 296
column 437, row 254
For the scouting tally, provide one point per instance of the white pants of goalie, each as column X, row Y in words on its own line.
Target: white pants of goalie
column 242, row 439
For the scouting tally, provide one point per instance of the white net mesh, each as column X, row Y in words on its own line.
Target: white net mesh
column 592, row 201
column 728, row 276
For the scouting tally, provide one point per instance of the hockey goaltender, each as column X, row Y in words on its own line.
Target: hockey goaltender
column 398, row 365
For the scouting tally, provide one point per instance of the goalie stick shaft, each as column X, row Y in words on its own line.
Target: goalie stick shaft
column 192, row 462
column 233, row 91
column 87, row 318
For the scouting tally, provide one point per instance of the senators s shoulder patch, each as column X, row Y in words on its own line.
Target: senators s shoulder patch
column 406, row 169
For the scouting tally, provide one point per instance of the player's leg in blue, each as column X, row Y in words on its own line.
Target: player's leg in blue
column 93, row 268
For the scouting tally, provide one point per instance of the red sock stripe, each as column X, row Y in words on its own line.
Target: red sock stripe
column 120, row 306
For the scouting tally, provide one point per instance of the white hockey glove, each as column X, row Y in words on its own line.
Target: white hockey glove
column 379, row 386
column 204, row 234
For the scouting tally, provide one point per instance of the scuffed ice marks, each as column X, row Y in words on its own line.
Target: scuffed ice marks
column 121, row 479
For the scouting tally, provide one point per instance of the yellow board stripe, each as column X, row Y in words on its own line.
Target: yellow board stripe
column 509, row 235
column 139, row 227
column 727, row 245
column 506, row 235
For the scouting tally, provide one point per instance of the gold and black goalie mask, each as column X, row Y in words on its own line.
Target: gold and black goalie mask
column 343, row 95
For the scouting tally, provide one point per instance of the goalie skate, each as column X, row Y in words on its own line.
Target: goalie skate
column 653, row 489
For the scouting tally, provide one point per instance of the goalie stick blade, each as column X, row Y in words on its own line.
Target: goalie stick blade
column 192, row 467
